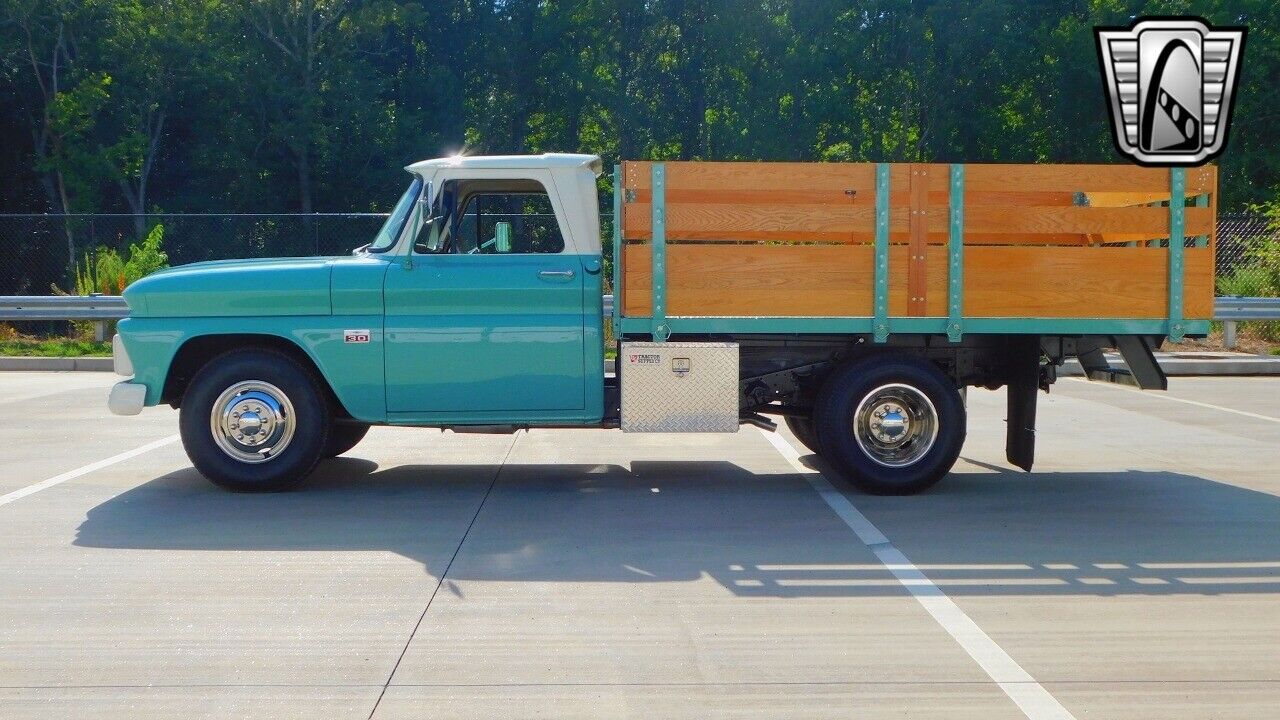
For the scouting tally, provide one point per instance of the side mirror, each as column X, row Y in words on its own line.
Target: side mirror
column 502, row 237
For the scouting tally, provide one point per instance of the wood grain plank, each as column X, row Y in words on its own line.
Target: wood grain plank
column 1105, row 282
column 1084, row 220
column 917, row 288
column 982, row 177
column 775, row 280
column 803, row 176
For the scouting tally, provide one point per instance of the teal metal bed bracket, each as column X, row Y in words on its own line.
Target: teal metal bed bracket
column 955, row 257
column 617, row 247
column 880, row 300
column 1177, row 241
column 658, row 318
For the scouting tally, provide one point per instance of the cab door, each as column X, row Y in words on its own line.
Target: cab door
column 488, row 327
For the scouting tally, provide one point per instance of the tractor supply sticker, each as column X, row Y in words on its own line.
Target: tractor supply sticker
column 644, row 359
column 355, row 336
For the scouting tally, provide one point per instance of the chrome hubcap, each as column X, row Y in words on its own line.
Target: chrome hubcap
column 895, row 425
column 252, row 421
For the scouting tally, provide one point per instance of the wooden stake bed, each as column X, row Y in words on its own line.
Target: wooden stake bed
column 797, row 240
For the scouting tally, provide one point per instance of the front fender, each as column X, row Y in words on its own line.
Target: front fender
column 354, row 370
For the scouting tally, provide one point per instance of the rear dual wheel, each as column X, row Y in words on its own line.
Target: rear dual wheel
column 891, row 425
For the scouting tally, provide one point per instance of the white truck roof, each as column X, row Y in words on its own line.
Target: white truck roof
column 508, row 162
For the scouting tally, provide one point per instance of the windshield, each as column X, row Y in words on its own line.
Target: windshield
column 395, row 222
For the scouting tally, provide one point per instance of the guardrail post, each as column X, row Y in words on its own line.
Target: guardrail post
column 1177, row 241
column 880, row 297
column 955, row 257
column 658, row 319
column 1229, row 334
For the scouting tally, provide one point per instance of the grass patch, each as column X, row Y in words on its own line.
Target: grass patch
column 53, row 347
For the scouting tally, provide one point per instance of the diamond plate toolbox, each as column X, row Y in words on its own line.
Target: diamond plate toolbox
column 679, row 387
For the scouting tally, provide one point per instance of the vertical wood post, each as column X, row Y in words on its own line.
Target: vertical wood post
column 918, row 245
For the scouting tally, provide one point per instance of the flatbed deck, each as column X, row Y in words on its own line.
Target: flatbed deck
column 881, row 249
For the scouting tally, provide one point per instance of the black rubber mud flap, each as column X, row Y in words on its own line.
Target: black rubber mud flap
column 1022, row 386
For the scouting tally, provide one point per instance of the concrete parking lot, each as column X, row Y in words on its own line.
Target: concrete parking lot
column 1134, row 574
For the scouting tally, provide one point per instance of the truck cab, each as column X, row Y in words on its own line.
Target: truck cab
column 478, row 305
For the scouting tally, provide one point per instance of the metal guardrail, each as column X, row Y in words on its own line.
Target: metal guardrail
column 99, row 308
column 1231, row 310
column 104, row 308
column 1246, row 308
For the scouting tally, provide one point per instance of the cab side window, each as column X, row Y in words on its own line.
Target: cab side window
column 519, row 222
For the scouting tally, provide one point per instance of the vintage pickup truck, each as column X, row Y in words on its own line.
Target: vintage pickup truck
column 855, row 301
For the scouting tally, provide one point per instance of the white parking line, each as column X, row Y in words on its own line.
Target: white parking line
column 1034, row 701
column 85, row 470
column 1165, row 396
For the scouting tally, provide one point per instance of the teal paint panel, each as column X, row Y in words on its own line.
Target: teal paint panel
column 955, row 257
column 356, row 285
column 659, row 328
column 880, row 298
column 592, row 324
column 1177, row 242
column 353, row 370
column 248, row 288
column 481, row 333
column 617, row 244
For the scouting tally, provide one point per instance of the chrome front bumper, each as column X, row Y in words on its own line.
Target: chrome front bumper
column 127, row 398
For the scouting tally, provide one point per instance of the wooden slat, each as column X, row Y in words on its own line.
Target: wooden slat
column 772, row 280
column 981, row 177
column 1103, row 282
column 810, row 177
column 1086, row 220
column 787, row 223
column 777, row 280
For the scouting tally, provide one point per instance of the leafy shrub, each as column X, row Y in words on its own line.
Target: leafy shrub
column 105, row 271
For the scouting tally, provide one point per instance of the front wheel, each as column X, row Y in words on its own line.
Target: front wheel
column 892, row 425
column 254, row 420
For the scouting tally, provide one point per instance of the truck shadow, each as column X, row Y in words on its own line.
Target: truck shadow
column 766, row 535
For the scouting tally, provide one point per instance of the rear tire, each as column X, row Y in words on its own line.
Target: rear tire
column 254, row 420
column 343, row 436
column 890, row 424
column 805, row 432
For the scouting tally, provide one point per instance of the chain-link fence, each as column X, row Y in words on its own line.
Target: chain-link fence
column 40, row 252
column 1248, row 258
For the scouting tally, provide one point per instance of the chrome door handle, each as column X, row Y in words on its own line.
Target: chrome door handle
column 566, row 274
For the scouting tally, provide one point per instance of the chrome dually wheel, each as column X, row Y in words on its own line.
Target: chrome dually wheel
column 895, row 425
column 890, row 422
column 253, row 421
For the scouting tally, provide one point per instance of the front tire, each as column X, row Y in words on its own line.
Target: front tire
column 254, row 420
column 891, row 424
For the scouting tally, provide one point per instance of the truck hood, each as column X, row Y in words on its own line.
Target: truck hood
column 227, row 288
